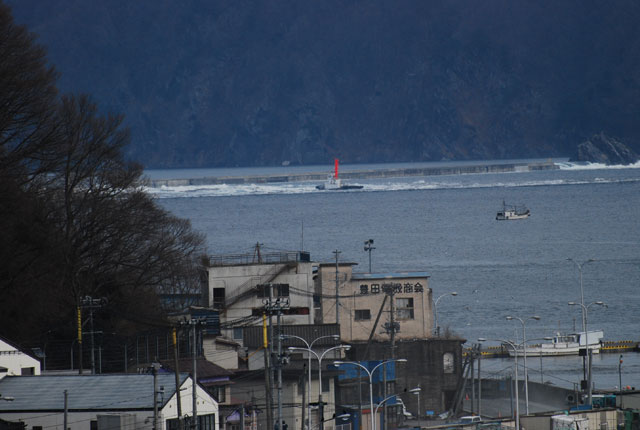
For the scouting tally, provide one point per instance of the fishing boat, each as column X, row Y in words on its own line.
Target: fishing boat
column 566, row 344
column 510, row 212
column 333, row 182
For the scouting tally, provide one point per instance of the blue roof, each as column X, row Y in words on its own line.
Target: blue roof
column 85, row 392
column 390, row 275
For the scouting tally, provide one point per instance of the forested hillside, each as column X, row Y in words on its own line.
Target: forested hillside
column 249, row 82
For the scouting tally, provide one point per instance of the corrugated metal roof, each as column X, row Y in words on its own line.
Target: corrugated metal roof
column 85, row 392
column 390, row 275
column 252, row 336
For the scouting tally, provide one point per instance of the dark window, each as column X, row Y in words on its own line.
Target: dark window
column 362, row 314
column 404, row 308
column 237, row 333
column 93, row 425
column 36, row 428
column 325, row 385
column 218, row 297
column 219, row 392
column 279, row 290
column 27, row 371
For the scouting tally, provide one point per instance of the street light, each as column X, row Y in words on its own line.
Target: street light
column 585, row 311
column 370, row 375
column 580, row 266
column 413, row 390
column 584, row 319
column 309, row 346
column 524, row 353
column 436, row 328
column 368, row 247
column 515, row 356
column 320, row 357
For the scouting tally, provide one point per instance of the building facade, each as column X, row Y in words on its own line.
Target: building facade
column 373, row 304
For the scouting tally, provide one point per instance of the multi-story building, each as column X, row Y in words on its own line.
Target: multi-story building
column 401, row 300
column 385, row 316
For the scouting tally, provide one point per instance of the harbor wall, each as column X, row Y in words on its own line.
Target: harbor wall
column 357, row 174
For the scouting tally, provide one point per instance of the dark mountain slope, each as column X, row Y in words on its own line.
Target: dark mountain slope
column 261, row 82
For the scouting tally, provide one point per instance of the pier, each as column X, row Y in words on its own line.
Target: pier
column 357, row 174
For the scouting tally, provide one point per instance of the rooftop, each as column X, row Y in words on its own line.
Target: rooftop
column 389, row 275
column 107, row 392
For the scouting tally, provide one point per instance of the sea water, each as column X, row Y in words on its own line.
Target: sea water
column 446, row 226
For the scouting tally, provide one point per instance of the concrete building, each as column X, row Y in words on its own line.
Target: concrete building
column 233, row 288
column 402, row 300
column 104, row 402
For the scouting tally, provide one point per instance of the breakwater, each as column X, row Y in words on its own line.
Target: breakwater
column 356, row 174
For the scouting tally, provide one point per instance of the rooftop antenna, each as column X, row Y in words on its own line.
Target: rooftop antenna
column 256, row 252
column 368, row 246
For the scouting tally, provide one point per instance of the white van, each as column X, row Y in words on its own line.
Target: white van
column 470, row 419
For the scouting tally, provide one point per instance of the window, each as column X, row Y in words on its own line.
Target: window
column 219, row 392
column 218, row 298
column 325, row 385
column 448, row 363
column 237, row 333
column 28, row 371
column 279, row 290
column 404, row 308
column 362, row 314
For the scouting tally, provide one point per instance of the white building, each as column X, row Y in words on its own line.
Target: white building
column 108, row 401
column 233, row 288
column 14, row 362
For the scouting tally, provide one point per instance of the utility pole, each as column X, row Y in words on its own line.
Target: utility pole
column 193, row 323
column 154, row 370
column 337, row 253
column 91, row 303
column 391, row 327
column 194, row 392
column 66, row 409
column 79, row 313
column 277, row 306
column 174, row 338
column 267, row 371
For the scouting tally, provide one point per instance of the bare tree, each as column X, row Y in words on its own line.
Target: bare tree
column 28, row 99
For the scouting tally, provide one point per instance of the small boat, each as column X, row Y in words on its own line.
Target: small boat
column 566, row 344
column 510, row 212
column 334, row 183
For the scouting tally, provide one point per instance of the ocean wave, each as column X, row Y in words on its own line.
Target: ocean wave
column 225, row 190
column 566, row 165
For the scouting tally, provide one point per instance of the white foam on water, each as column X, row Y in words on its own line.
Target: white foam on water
column 566, row 165
column 226, row 190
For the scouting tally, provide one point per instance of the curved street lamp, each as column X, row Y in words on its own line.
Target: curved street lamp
column 585, row 312
column 370, row 375
column 436, row 328
column 309, row 346
column 320, row 357
column 524, row 353
column 413, row 390
column 580, row 266
column 515, row 357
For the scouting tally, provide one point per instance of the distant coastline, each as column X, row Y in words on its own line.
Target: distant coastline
column 448, row 169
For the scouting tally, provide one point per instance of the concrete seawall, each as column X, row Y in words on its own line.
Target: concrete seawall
column 357, row 174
